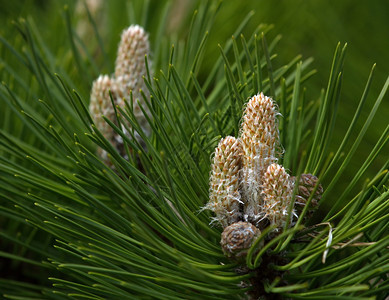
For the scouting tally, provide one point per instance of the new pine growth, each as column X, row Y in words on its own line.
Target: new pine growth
column 125, row 84
column 224, row 194
column 248, row 188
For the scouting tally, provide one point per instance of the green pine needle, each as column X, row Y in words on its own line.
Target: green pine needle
column 137, row 229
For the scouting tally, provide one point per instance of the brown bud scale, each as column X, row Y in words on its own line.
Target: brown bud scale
column 237, row 239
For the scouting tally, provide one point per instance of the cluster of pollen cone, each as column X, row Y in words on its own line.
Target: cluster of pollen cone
column 125, row 84
column 249, row 190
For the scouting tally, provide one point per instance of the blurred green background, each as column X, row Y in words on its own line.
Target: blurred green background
column 310, row 28
column 313, row 29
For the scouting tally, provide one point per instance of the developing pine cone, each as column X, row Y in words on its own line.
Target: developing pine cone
column 237, row 239
column 127, row 81
column 306, row 186
column 101, row 105
column 130, row 68
column 260, row 142
column 277, row 191
column 224, row 195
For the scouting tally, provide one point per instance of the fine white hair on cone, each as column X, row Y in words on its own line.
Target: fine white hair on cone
column 277, row 192
column 260, row 143
column 224, row 195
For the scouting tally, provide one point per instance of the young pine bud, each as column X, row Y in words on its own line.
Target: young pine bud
column 224, row 195
column 130, row 68
column 260, row 142
column 277, row 192
column 101, row 105
column 130, row 61
column 237, row 239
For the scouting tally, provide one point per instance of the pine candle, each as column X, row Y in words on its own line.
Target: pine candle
column 224, row 194
column 260, row 140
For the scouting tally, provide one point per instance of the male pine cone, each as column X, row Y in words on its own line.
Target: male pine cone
column 126, row 83
column 224, row 195
column 260, row 140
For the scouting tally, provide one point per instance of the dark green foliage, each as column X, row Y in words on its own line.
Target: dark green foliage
column 71, row 227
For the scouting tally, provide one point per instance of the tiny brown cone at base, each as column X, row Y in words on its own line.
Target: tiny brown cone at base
column 306, row 186
column 248, row 189
column 237, row 239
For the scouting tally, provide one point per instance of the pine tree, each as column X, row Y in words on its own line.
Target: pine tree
column 140, row 184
